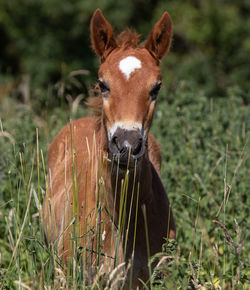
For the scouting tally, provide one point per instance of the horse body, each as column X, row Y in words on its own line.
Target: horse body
column 98, row 165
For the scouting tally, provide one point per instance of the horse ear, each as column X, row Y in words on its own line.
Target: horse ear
column 159, row 40
column 102, row 35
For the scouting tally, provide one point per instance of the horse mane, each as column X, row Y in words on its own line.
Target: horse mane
column 128, row 38
column 94, row 102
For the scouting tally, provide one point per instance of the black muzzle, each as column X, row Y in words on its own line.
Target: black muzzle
column 126, row 147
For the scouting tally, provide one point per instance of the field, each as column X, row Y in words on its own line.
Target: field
column 205, row 170
column 201, row 123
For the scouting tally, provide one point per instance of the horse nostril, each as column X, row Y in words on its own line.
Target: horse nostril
column 114, row 142
column 138, row 148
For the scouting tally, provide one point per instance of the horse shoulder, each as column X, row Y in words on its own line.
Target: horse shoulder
column 72, row 138
column 77, row 130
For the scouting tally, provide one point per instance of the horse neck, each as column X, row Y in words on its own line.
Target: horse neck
column 131, row 189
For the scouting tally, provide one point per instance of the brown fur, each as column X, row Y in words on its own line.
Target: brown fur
column 95, row 106
column 78, row 163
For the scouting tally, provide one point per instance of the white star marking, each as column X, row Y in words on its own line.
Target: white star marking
column 128, row 65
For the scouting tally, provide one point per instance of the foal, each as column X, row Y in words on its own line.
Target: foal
column 104, row 190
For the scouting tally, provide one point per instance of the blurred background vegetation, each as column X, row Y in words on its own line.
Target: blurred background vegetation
column 202, row 119
column 45, row 40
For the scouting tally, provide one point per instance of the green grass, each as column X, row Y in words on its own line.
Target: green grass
column 205, row 149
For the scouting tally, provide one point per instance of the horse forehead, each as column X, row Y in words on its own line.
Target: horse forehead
column 128, row 63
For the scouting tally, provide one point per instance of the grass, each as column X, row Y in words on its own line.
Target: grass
column 205, row 149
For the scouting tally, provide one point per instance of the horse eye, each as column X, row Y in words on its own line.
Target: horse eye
column 155, row 91
column 103, row 86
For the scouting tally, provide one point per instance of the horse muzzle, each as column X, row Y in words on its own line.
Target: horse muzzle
column 127, row 147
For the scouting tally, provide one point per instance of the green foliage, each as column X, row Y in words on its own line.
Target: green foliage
column 204, row 144
column 212, row 39
column 205, row 148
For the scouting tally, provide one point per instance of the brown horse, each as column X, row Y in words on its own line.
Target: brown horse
column 105, row 195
